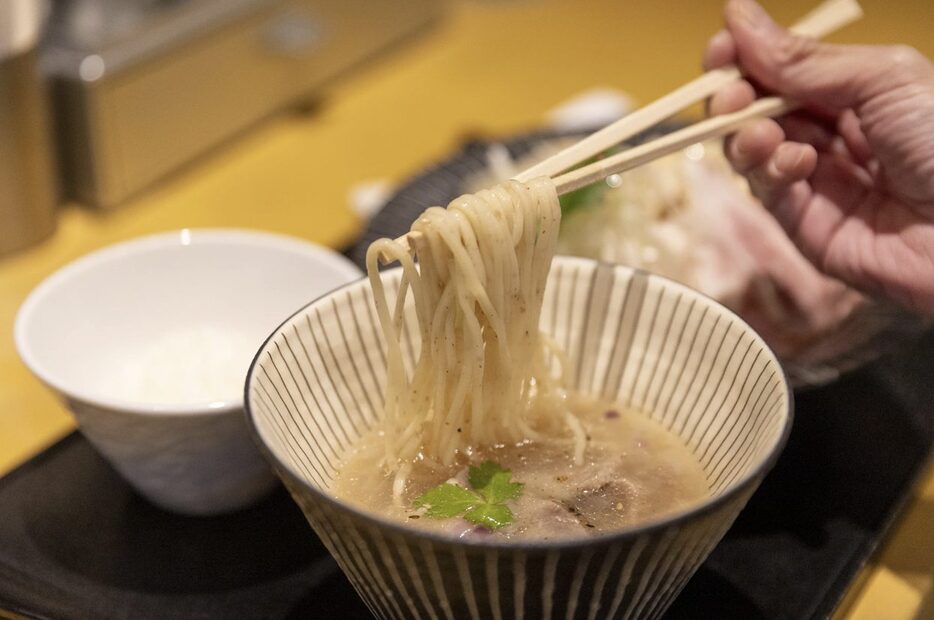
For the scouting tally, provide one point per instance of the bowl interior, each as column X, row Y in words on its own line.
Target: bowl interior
column 639, row 339
column 220, row 291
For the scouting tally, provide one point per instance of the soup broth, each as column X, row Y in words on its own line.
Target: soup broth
column 633, row 470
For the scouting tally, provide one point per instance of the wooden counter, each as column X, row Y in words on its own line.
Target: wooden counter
column 487, row 68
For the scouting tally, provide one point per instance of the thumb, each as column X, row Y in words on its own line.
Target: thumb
column 821, row 74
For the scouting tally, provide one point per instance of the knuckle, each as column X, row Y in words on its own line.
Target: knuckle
column 906, row 60
column 760, row 189
column 791, row 50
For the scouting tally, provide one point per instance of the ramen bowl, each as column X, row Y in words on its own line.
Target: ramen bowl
column 690, row 364
column 147, row 343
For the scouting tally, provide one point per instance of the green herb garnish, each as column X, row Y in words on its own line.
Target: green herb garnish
column 586, row 196
column 484, row 504
column 583, row 197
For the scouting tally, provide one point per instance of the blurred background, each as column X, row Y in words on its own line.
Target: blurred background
column 126, row 117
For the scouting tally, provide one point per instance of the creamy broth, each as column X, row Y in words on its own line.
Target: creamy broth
column 633, row 471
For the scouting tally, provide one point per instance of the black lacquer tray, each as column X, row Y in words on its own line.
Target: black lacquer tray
column 77, row 542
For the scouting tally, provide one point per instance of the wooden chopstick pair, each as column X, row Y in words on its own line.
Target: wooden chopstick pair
column 827, row 18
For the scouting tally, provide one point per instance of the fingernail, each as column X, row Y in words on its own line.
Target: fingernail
column 787, row 158
column 721, row 38
column 748, row 14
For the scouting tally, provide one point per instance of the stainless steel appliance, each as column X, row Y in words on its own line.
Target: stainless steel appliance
column 142, row 87
column 28, row 189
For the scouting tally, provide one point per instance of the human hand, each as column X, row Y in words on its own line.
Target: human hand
column 850, row 176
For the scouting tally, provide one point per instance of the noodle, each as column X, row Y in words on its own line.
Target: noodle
column 484, row 371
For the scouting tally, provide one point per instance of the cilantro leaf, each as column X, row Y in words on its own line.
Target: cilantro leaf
column 494, row 482
column 485, row 505
column 501, row 488
column 480, row 475
column 491, row 516
column 447, row 500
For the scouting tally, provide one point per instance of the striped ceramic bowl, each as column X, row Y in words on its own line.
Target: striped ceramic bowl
column 316, row 384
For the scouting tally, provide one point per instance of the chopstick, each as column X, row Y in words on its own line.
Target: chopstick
column 823, row 20
column 649, row 151
column 828, row 17
column 669, row 143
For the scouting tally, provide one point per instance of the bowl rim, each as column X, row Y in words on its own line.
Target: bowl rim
column 667, row 520
column 231, row 237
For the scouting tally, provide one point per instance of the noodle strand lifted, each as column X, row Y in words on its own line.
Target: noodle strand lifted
column 484, row 372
